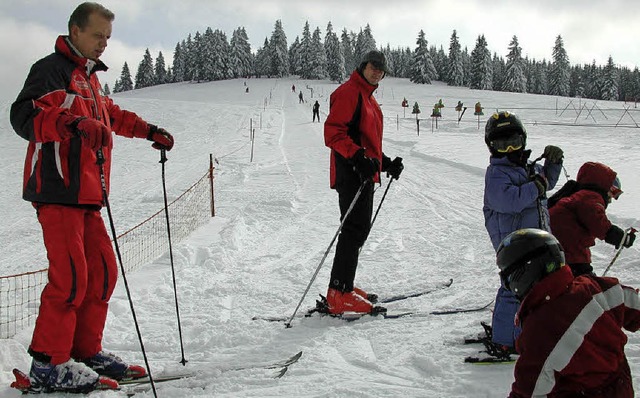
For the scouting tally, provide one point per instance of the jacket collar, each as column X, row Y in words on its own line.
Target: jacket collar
column 364, row 85
column 64, row 47
column 547, row 289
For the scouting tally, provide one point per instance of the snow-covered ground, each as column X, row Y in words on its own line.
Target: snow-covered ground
column 275, row 218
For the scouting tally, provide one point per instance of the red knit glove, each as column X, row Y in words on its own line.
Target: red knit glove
column 160, row 137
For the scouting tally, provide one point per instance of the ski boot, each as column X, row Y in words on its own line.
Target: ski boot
column 70, row 376
column 373, row 298
column 112, row 366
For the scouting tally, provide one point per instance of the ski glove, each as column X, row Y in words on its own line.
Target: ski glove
column 94, row 133
column 364, row 166
column 395, row 167
column 160, row 137
column 553, row 153
column 615, row 234
column 541, row 184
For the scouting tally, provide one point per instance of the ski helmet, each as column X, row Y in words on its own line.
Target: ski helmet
column 504, row 132
column 526, row 256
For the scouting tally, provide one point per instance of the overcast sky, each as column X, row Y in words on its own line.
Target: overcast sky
column 591, row 30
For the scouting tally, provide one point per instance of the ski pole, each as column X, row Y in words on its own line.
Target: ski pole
column 627, row 231
column 315, row 274
column 163, row 160
column 381, row 200
column 105, row 197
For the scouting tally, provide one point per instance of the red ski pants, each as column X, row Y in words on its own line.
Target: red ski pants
column 82, row 275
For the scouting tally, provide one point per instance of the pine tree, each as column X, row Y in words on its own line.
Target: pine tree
column 318, row 58
column 117, row 87
column 347, row 45
column 422, row 69
column 126, row 84
column 455, row 72
column 514, row 78
column 305, row 53
column 179, row 61
column 160, row 70
column 190, row 51
column 241, row 58
column 295, row 57
column 335, row 59
column 498, row 66
column 145, row 75
column 279, row 53
column 263, row 60
column 364, row 43
column 560, row 70
column 609, row 91
column 481, row 69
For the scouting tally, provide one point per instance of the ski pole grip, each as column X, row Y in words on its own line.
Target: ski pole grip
column 163, row 155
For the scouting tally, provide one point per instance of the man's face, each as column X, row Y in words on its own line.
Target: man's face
column 92, row 40
column 372, row 74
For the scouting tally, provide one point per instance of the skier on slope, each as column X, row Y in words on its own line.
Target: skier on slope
column 572, row 343
column 514, row 198
column 62, row 113
column 579, row 218
column 316, row 111
column 353, row 131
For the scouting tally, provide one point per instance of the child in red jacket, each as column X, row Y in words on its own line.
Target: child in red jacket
column 580, row 218
column 572, row 342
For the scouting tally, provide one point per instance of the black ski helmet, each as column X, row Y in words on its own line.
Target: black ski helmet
column 503, row 126
column 526, row 256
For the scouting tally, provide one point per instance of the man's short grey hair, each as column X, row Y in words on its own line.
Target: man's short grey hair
column 80, row 16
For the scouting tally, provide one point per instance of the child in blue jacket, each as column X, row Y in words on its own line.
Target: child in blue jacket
column 514, row 198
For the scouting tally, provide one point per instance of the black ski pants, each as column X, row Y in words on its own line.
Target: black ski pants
column 353, row 234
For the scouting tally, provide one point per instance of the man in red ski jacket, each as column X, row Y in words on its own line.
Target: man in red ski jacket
column 353, row 131
column 577, row 220
column 68, row 122
column 572, row 343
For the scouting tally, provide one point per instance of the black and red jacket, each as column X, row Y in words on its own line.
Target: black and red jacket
column 346, row 130
column 60, row 88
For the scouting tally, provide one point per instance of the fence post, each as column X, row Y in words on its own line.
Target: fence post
column 213, row 202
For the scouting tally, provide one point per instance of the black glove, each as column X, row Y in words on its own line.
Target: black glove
column 615, row 234
column 160, row 137
column 541, row 184
column 553, row 153
column 364, row 166
column 395, row 168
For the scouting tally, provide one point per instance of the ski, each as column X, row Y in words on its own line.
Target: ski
column 489, row 360
column 400, row 297
column 347, row 316
column 462, row 310
column 156, row 379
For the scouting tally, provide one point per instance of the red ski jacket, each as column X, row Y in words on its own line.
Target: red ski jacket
column 580, row 218
column 346, row 130
column 571, row 342
column 60, row 88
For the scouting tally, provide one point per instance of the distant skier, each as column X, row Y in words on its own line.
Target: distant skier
column 293, row 88
column 300, row 98
column 68, row 124
column 353, row 131
column 316, row 111
column 578, row 219
column 514, row 198
column 572, row 342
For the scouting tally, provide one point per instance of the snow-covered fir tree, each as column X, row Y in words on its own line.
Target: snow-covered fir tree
column 126, row 83
column 279, row 51
column 295, row 57
column 609, row 88
column 422, row 70
column 364, row 43
column 263, row 60
column 440, row 61
column 160, row 70
column 498, row 67
column 576, row 86
column 481, row 68
column 335, row 58
column 241, row 57
column 455, row 71
column 514, row 78
column 117, row 87
column 347, row 45
column 179, row 61
column 189, row 59
column 220, row 63
column 318, row 59
column 559, row 70
column 305, row 52
column 145, row 77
